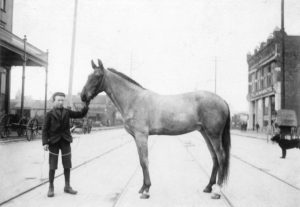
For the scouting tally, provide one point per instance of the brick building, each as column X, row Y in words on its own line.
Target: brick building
column 265, row 77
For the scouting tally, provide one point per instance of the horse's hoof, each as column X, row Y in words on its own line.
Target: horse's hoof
column 145, row 196
column 216, row 196
column 141, row 190
column 207, row 189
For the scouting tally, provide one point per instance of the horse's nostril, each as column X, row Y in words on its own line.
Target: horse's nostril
column 83, row 97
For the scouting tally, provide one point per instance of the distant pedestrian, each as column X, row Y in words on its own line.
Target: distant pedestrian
column 56, row 136
column 257, row 127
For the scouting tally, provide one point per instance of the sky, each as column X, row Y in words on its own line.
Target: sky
column 168, row 46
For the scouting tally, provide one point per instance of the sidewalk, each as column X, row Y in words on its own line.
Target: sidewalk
column 251, row 134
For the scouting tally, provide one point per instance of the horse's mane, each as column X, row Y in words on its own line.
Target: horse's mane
column 125, row 77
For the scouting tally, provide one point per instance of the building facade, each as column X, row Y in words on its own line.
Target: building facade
column 265, row 79
column 101, row 110
column 14, row 51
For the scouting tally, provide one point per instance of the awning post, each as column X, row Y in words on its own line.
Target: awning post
column 23, row 77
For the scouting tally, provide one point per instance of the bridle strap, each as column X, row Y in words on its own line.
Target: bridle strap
column 103, row 79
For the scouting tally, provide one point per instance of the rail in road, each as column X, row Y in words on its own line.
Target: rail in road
column 227, row 198
column 74, row 168
column 120, row 197
column 259, row 168
column 117, row 200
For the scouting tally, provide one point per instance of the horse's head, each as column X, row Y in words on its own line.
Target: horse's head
column 94, row 84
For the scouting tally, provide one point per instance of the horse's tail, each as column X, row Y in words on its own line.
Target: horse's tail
column 226, row 144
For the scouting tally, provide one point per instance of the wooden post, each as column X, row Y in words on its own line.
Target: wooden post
column 23, row 77
column 282, row 56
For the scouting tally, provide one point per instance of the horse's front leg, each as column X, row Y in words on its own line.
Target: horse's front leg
column 141, row 141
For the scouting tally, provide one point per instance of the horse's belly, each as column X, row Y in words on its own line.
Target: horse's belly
column 174, row 125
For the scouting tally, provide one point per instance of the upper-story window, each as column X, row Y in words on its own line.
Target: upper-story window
column 253, row 82
column 2, row 83
column 3, row 4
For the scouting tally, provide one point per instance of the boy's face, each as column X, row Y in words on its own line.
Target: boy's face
column 59, row 101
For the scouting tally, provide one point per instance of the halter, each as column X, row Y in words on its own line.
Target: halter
column 102, row 81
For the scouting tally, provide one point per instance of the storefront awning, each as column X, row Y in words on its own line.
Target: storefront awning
column 12, row 51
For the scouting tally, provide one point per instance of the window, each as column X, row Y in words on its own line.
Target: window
column 269, row 80
column 266, row 76
column 256, row 81
column 253, row 82
column 266, row 106
column 273, row 111
column 2, row 83
column 3, row 4
column 261, row 79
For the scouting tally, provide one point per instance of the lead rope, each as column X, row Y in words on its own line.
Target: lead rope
column 42, row 165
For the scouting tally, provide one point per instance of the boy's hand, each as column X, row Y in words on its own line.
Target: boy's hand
column 46, row 147
column 86, row 104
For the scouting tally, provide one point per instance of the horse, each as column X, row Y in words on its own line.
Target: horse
column 147, row 113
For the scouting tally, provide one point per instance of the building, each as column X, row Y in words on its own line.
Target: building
column 14, row 51
column 265, row 78
column 239, row 121
column 101, row 110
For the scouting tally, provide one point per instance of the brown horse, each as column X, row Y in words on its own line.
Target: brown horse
column 147, row 113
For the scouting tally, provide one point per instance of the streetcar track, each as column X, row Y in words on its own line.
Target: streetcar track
column 73, row 168
column 225, row 198
column 125, row 188
column 245, row 162
column 264, row 171
column 251, row 137
column 260, row 169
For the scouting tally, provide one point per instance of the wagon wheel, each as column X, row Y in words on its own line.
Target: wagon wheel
column 32, row 129
column 5, row 126
column 21, row 130
column 84, row 129
column 89, row 127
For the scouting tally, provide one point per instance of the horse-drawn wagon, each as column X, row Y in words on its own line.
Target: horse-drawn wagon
column 84, row 124
column 286, row 121
column 22, row 125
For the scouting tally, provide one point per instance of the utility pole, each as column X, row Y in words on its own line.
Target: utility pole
column 131, row 64
column 70, row 101
column 46, row 86
column 216, row 74
column 282, row 56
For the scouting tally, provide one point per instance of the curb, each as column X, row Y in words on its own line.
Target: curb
column 14, row 139
column 261, row 137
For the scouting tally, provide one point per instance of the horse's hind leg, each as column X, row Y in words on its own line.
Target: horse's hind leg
column 215, row 167
column 217, row 145
column 141, row 141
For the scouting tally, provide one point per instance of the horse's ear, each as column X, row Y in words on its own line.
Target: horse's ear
column 100, row 65
column 93, row 65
